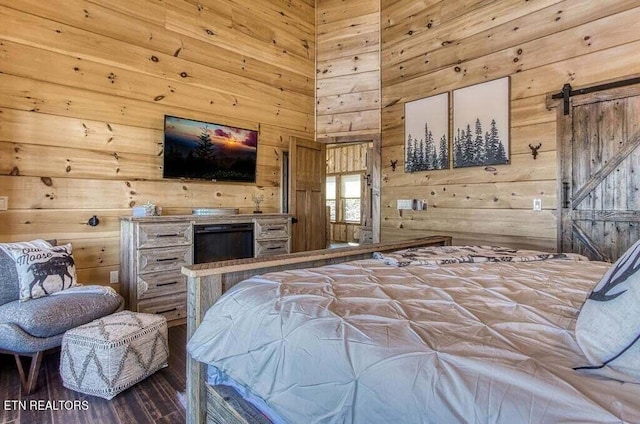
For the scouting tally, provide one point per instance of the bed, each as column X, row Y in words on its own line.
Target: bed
column 414, row 336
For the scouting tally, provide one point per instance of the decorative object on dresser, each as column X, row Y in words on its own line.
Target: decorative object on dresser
column 154, row 249
column 111, row 354
column 257, row 200
column 148, row 209
column 215, row 211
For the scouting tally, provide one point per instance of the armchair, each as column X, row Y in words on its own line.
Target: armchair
column 30, row 328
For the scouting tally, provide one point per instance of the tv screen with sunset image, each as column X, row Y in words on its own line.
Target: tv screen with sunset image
column 206, row 151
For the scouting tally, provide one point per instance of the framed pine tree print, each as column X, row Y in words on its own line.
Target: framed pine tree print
column 481, row 124
column 426, row 132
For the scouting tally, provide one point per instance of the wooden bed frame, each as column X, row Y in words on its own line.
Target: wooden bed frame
column 207, row 282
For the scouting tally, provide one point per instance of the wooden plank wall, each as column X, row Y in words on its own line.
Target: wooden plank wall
column 431, row 47
column 85, row 85
column 348, row 68
column 346, row 159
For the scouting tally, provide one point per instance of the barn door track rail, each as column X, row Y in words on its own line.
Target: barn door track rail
column 567, row 92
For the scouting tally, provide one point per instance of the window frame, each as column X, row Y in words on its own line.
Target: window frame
column 335, row 199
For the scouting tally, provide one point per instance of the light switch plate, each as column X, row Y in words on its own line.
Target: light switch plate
column 537, row 205
column 4, row 203
column 113, row 277
column 405, row 204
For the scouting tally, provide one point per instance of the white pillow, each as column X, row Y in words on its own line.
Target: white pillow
column 21, row 244
column 43, row 270
column 608, row 326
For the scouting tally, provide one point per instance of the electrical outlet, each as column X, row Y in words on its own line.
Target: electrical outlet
column 537, row 205
column 114, row 278
column 4, row 203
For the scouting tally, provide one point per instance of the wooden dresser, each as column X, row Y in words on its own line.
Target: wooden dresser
column 153, row 251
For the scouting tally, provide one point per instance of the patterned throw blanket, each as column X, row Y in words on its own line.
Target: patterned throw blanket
column 467, row 254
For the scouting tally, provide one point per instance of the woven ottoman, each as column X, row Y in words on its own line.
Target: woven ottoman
column 109, row 355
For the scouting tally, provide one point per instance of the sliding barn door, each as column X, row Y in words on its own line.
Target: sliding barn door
column 600, row 173
column 307, row 198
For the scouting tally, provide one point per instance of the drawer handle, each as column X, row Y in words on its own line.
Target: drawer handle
column 274, row 248
column 168, row 310
column 274, row 229
column 166, row 259
column 166, row 284
column 167, row 235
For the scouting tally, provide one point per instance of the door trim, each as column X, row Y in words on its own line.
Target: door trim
column 376, row 140
column 564, row 173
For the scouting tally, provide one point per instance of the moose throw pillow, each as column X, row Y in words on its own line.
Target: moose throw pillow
column 42, row 271
column 608, row 327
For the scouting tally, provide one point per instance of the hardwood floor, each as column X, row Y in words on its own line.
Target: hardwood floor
column 157, row 399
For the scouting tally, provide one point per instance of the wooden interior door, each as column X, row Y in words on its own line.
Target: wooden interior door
column 307, row 197
column 599, row 193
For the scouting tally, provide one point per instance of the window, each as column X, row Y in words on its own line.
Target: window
column 343, row 197
column 331, row 197
column 350, row 197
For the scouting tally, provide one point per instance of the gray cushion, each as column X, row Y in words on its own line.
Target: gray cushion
column 12, row 338
column 52, row 315
column 9, row 288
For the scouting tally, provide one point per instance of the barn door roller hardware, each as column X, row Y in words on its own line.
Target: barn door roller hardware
column 568, row 92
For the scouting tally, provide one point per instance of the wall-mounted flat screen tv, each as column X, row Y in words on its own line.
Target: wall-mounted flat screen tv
column 206, row 151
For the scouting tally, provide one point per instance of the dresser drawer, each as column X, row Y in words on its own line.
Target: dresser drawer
column 161, row 284
column 270, row 229
column 272, row 247
column 161, row 235
column 172, row 307
column 164, row 259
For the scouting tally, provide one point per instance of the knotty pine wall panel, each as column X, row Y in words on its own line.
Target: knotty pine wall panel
column 348, row 68
column 431, row 47
column 106, row 21
column 85, row 85
column 345, row 158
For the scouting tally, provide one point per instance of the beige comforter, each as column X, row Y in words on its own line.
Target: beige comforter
column 365, row 342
